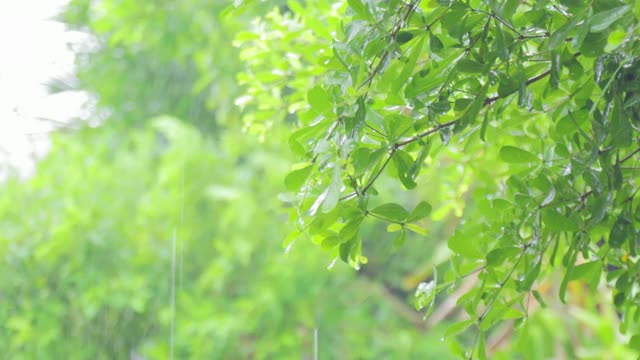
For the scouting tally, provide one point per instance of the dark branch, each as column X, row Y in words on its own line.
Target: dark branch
column 491, row 100
column 394, row 37
column 425, row 133
column 630, row 155
column 384, row 165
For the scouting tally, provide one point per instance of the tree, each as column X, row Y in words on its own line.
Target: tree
column 536, row 104
column 87, row 243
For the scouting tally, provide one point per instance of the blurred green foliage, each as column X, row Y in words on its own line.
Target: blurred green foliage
column 88, row 258
column 154, row 58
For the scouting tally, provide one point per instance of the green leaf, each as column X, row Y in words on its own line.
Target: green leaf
column 421, row 211
column 350, row 229
column 593, row 44
column 598, row 206
column 404, row 37
column 391, row 211
column 620, row 231
column 333, row 194
column 458, row 327
column 365, row 165
column 441, row 107
column 501, row 43
column 530, row 277
column 621, row 132
column 634, row 342
column 434, row 79
column 617, row 174
column 464, row 243
column 581, row 34
column 328, row 199
column 319, row 99
column 513, row 155
column 472, row 112
column 295, row 179
column 558, row 37
column 435, row 44
column 556, row 221
column 483, row 127
column 569, row 260
column 508, row 85
column 417, row 165
column 470, row 66
column 462, row 103
column 404, row 164
column 538, row 297
column 409, row 67
column 330, row 242
column 508, row 8
column 554, row 76
column 399, row 240
column 603, row 20
column 549, row 198
column 425, row 294
column 394, row 227
column 361, row 160
column 397, row 125
column 354, row 124
column 589, row 272
column 497, row 257
column 572, row 122
column 482, row 351
column 359, row 8
column 562, row 33
column 346, row 248
column 502, row 311
column 416, row 229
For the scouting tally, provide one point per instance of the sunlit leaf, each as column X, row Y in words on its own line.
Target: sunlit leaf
column 512, row 154
column 295, row 179
column 399, row 240
column 391, row 211
column 422, row 210
column 602, row 20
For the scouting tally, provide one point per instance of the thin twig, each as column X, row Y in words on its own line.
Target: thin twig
column 394, row 36
column 491, row 100
column 384, row 165
column 425, row 133
column 630, row 155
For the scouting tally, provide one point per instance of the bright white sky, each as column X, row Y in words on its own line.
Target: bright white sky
column 34, row 49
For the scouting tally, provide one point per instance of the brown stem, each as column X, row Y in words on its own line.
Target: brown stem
column 384, row 165
column 394, row 36
column 630, row 155
column 491, row 100
column 425, row 133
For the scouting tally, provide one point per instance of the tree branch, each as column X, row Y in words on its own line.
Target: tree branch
column 434, row 129
column 630, row 155
column 491, row 100
column 394, row 36
column 377, row 174
column 488, row 101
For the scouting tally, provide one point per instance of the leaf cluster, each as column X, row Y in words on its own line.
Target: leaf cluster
column 541, row 99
